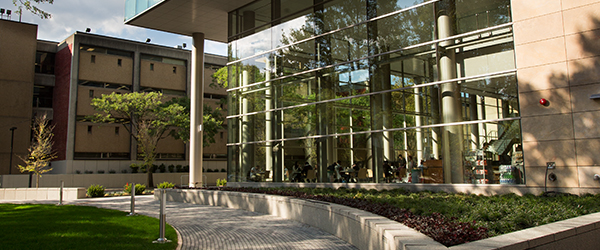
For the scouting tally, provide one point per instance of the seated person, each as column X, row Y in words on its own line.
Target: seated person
column 255, row 173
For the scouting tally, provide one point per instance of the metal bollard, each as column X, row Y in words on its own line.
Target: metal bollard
column 132, row 200
column 62, row 186
column 162, row 217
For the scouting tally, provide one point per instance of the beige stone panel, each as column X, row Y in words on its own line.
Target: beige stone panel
column 581, row 19
column 586, row 125
column 586, row 177
column 538, row 153
column 584, row 71
column 543, row 77
column 539, row 28
column 569, row 4
column 85, row 95
column 525, row 9
column 559, row 102
column 105, row 68
column 102, row 138
column 171, row 146
column 17, row 51
column 540, row 53
column 547, row 128
column 220, row 145
column 588, row 152
column 580, row 97
column 565, row 177
column 582, row 45
column 16, row 99
column 163, row 75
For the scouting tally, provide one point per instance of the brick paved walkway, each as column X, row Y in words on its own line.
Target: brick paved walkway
column 209, row 227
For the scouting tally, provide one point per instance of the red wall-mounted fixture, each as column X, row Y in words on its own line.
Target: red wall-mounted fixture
column 544, row 102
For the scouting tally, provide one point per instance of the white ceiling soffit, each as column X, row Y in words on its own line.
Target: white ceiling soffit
column 186, row 17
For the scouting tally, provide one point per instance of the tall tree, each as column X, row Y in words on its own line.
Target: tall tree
column 31, row 7
column 40, row 151
column 145, row 117
column 148, row 120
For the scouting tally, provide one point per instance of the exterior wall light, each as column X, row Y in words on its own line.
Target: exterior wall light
column 544, row 102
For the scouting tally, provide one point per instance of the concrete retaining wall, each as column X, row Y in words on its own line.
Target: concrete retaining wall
column 41, row 193
column 106, row 180
column 369, row 231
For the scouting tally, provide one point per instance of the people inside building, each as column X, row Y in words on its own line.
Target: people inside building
column 297, row 173
column 255, row 173
column 387, row 171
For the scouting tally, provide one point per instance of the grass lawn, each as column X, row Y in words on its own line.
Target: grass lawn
column 28, row 226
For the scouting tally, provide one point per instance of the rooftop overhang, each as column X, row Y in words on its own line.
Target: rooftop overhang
column 186, row 17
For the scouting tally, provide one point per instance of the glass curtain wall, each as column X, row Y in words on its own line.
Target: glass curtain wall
column 408, row 92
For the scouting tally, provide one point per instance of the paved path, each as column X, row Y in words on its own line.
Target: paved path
column 210, row 227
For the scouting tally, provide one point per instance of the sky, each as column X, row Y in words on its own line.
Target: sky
column 104, row 17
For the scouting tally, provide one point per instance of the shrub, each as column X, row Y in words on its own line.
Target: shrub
column 88, row 172
column 223, row 170
column 100, row 171
column 162, row 168
column 124, row 171
column 95, row 191
column 139, row 188
column 209, row 170
column 112, row 171
column 186, row 168
column 77, row 172
column 134, row 167
column 154, row 168
column 166, row 185
column 171, row 168
column 178, row 168
column 221, row 182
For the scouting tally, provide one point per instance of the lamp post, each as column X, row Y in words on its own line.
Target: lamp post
column 12, row 138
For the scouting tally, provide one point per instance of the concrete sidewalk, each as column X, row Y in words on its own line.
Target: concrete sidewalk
column 209, row 227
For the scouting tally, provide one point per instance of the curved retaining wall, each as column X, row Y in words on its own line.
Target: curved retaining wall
column 369, row 231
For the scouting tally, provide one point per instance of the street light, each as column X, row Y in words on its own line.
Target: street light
column 12, row 138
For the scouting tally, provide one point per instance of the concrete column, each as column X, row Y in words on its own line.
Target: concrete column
column 418, row 123
column 136, row 88
column 268, row 120
column 247, row 128
column 452, row 135
column 435, row 115
column 197, row 111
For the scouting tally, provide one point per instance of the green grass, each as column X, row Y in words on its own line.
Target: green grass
column 27, row 226
column 500, row 213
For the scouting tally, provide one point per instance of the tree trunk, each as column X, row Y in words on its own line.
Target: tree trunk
column 150, row 179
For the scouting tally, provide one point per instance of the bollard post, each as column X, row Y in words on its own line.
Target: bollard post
column 162, row 217
column 62, row 186
column 132, row 200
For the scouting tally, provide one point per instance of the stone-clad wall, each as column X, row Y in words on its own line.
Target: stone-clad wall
column 558, row 59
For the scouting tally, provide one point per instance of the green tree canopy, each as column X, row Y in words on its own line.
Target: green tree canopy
column 145, row 117
column 31, row 6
